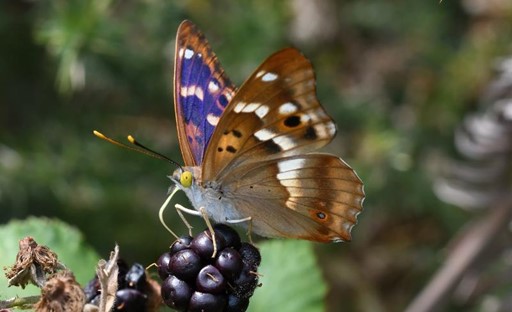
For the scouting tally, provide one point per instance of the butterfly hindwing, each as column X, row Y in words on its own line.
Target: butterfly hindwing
column 201, row 92
column 312, row 196
column 274, row 114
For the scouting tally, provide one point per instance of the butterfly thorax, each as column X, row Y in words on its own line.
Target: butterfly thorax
column 210, row 195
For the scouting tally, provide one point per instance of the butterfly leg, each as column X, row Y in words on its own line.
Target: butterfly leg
column 212, row 231
column 180, row 209
column 249, row 226
column 202, row 213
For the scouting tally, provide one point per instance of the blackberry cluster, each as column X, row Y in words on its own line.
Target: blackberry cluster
column 194, row 281
column 132, row 289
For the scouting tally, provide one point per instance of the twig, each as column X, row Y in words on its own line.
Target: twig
column 466, row 253
column 18, row 302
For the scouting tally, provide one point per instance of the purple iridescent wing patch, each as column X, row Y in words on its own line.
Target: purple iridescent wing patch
column 201, row 92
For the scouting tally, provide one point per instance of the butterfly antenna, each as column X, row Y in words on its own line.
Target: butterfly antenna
column 139, row 148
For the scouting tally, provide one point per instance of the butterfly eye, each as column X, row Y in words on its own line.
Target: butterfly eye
column 186, row 179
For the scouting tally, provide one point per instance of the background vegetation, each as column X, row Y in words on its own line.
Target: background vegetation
column 397, row 76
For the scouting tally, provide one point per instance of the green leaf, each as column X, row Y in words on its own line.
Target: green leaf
column 66, row 241
column 291, row 279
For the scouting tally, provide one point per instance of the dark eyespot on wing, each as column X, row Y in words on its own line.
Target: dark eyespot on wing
column 223, row 100
column 292, row 121
column 272, row 147
column 310, row 133
column 231, row 149
column 321, row 215
column 236, row 133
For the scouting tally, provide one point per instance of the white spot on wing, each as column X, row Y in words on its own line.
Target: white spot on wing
column 305, row 118
column 180, row 53
column 269, row 77
column 239, row 106
column 213, row 87
column 260, row 73
column 318, row 115
column 331, row 129
column 290, row 165
column 257, row 108
column 199, row 93
column 294, row 174
column 284, row 142
column 184, row 91
column 289, row 169
column 287, row 108
column 326, row 130
column 212, row 119
column 249, row 108
column 188, row 54
column 264, row 134
column 262, row 111
column 192, row 90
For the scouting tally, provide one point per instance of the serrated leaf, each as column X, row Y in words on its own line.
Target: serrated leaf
column 291, row 279
column 66, row 241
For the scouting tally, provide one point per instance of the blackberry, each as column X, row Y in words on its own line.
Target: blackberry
column 236, row 304
column 194, row 281
column 163, row 265
column 185, row 264
column 205, row 302
column 229, row 262
column 92, row 289
column 245, row 284
column 134, row 290
column 176, row 293
column 130, row 300
column 202, row 244
column 231, row 237
column 181, row 243
column 210, row 280
column 136, row 277
column 250, row 255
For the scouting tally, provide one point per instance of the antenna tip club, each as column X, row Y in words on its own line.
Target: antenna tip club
column 98, row 134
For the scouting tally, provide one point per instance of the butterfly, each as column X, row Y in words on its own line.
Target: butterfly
column 247, row 151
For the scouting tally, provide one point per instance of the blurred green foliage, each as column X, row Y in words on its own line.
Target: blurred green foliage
column 396, row 76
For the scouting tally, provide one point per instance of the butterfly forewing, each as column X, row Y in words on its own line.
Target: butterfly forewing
column 313, row 196
column 274, row 114
column 201, row 92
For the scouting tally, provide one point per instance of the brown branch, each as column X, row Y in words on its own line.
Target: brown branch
column 19, row 302
column 473, row 243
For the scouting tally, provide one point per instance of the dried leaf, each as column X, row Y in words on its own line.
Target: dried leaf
column 33, row 263
column 107, row 276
